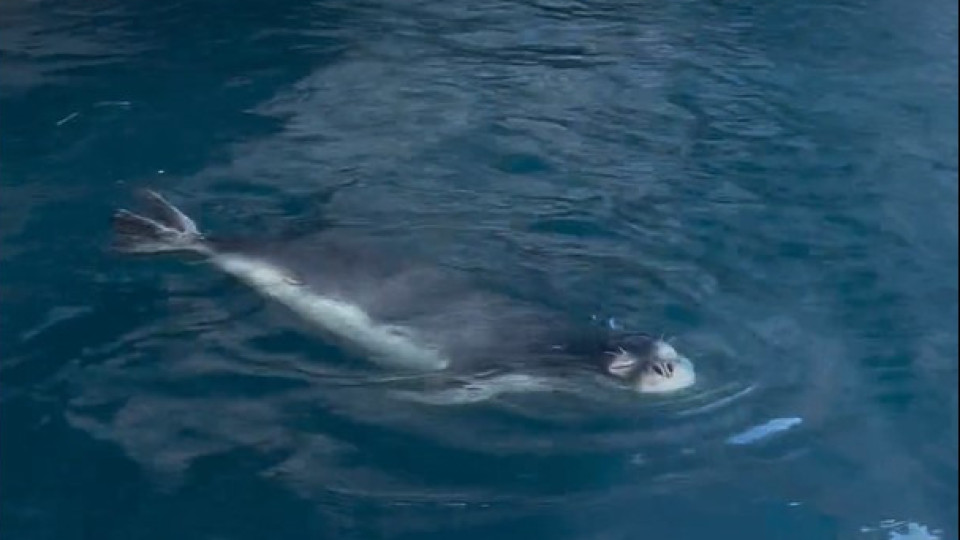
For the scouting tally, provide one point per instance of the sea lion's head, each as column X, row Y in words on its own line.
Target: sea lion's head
column 649, row 365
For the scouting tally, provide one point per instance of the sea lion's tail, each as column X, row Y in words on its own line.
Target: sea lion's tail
column 167, row 229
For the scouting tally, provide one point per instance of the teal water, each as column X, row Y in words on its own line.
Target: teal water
column 772, row 184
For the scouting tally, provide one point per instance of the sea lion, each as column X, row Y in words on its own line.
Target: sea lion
column 402, row 316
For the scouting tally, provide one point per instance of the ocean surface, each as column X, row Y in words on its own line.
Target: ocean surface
column 773, row 185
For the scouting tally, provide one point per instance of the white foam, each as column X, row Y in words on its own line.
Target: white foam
column 762, row 431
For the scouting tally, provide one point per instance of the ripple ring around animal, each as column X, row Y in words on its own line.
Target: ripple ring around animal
column 404, row 316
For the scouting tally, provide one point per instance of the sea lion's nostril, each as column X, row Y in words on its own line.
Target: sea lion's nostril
column 665, row 376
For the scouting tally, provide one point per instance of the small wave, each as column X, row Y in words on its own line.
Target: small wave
column 482, row 390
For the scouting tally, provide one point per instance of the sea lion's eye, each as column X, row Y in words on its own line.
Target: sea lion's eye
column 670, row 369
column 659, row 370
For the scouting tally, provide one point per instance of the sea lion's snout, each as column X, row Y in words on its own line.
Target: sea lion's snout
column 651, row 365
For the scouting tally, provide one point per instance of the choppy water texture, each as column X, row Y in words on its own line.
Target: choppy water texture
column 773, row 184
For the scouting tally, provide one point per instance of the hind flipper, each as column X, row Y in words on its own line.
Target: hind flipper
column 170, row 231
column 168, row 214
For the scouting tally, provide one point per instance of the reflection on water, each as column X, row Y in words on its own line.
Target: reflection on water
column 773, row 186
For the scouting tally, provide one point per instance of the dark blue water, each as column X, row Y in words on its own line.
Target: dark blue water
column 773, row 184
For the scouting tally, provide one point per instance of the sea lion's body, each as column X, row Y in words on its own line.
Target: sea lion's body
column 470, row 326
